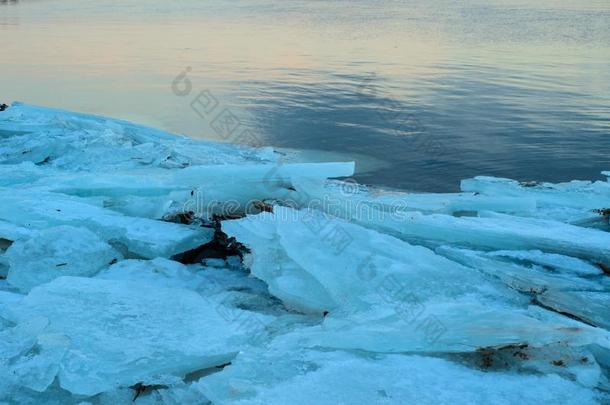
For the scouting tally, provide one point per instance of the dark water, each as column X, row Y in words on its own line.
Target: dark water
column 419, row 93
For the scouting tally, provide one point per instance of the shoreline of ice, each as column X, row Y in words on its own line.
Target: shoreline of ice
column 141, row 264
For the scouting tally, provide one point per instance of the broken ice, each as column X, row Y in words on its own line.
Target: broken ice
column 141, row 266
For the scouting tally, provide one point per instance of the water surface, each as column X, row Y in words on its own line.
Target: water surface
column 420, row 93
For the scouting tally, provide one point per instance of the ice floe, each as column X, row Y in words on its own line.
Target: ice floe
column 310, row 376
column 55, row 252
column 142, row 266
column 140, row 236
column 121, row 332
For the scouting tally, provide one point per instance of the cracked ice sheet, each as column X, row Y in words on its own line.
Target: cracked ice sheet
column 457, row 326
column 385, row 295
column 81, row 142
column 489, row 231
column 560, row 263
column 574, row 201
column 525, row 279
column 13, row 232
column 163, row 272
column 37, row 368
column 342, row 265
column 392, row 201
column 55, row 252
column 498, row 231
column 223, row 287
column 590, row 306
column 289, row 375
column 129, row 332
column 29, row 357
column 9, row 233
column 17, row 175
column 145, row 237
column 198, row 188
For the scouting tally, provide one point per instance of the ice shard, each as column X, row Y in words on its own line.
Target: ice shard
column 559, row 263
column 592, row 307
column 141, row 236
column 55, row 252
column 305, row 376
column 575, row 201
column 129, row 332
column 525, row 279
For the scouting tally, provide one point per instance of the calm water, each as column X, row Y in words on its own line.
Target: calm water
column 420, row 93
